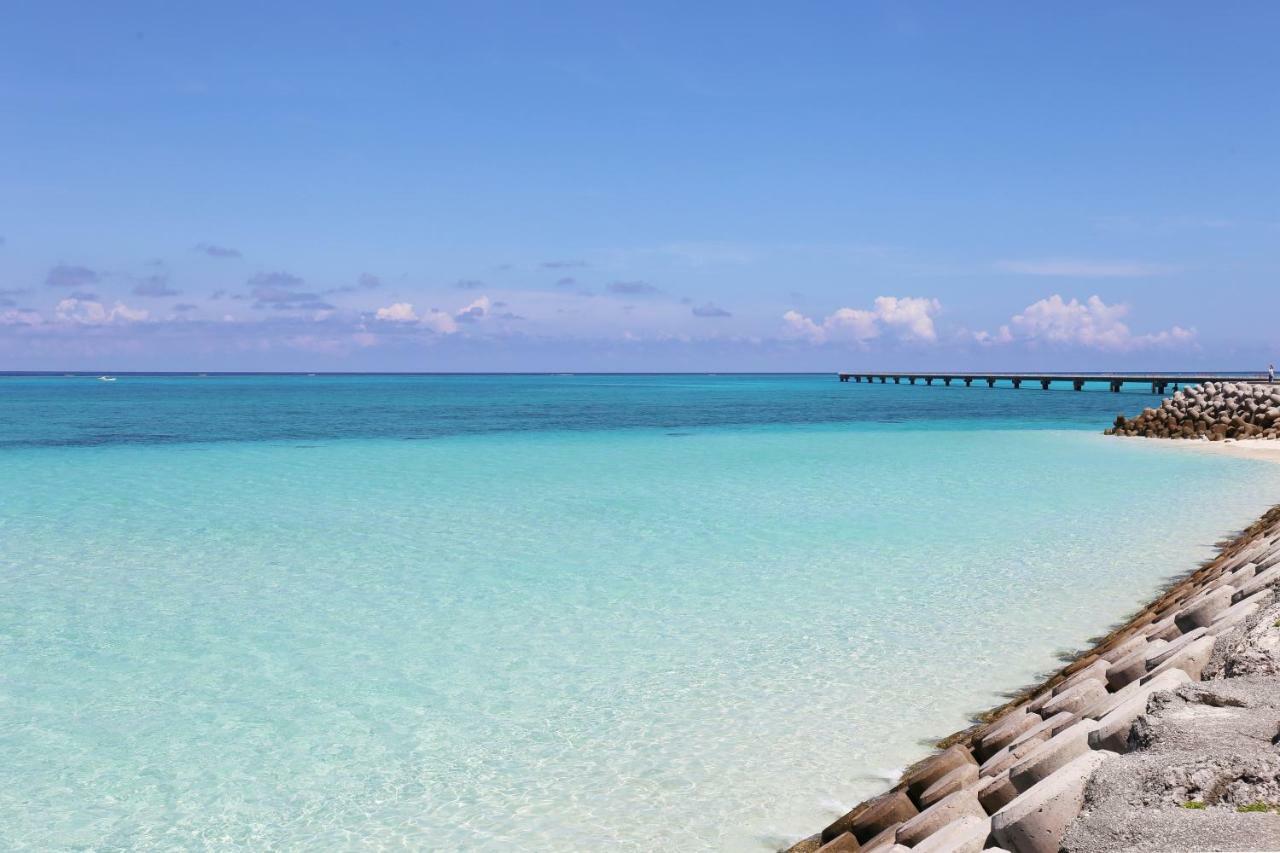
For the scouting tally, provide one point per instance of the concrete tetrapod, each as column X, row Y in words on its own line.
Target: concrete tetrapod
column 1096, row 670
column 845, row 843
column 1133, row 665
column 1122, row 649
column 1112, row 731
column 1174, row 647
column 963, row 776
column 941, row 813
column 1058, row 751
column 996, row 792
column 966, row 835
column 1076, row 698
column 1003, row 731
column 872, row 817
column 932, row 769
column 1100, row 708
column 1012, row 754
column 1260, row 581
column 1228, row 619
column 1036, row 821
column 1199, row 613
column 886, row 840
column 1191, row 660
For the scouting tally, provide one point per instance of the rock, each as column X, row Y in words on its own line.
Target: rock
column 1076, row 698
column 1036, row 821
column 934, row 768
column 872, row 817
column 941, row 813
column 964, row 776
column 1191, row 660
column 1056, row 752
column 966, row 835
column 1112, row 732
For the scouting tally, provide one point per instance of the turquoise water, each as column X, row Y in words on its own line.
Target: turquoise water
column 542, row 613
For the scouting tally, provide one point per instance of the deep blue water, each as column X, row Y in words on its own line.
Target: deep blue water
column 82, row 411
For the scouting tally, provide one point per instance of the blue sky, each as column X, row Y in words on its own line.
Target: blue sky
column 656, row 186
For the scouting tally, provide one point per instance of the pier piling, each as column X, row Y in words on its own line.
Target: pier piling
column 1160, row 383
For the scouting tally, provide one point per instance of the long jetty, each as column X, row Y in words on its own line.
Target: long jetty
column 1159, row 382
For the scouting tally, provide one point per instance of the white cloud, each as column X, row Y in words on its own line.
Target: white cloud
column 86, row 312
column 20, row 317
column 399, row 312
column 1092, row 323
column 439, row 322
column 914, row 316
column 473, row 312
column 435, row 320
column 1076, row 268
column 910, row 317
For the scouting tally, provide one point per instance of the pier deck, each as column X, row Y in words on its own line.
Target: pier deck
column 1159, row 382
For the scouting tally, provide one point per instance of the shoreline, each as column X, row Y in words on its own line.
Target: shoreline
column 1266, row 450
column 972, row 794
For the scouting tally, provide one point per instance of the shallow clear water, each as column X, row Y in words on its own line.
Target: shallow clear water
column 647, row 613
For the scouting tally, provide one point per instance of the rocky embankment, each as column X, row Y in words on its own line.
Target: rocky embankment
column 1162, row 737
column 1215, row 410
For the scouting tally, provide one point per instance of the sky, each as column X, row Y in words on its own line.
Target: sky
column 639, row 186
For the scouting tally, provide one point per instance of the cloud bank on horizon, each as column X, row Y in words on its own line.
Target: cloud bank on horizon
column 707, row 188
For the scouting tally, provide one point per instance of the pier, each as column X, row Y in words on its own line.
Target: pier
column 1159, row 382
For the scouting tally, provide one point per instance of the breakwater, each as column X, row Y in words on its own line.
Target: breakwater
column 1213, row 410
column 1160, row 737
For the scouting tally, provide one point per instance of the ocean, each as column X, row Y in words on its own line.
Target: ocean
column 543, row 613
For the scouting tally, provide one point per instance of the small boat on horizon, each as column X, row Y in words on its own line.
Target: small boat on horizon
column 106, row 379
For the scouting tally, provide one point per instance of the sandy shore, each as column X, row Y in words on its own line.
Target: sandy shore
column 1246, row 448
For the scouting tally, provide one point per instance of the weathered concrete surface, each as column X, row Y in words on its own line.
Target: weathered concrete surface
column 931, row 770
column 1209, row 743
column 1001, row 733
column 958, row 805
column 1036, row 821
column 872, row 817
column 964, row 776
column 966, row 835
column 1113, row 729
column 1057, row 752
column 1076, row 698
column 845, row 843
column 996, row 792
